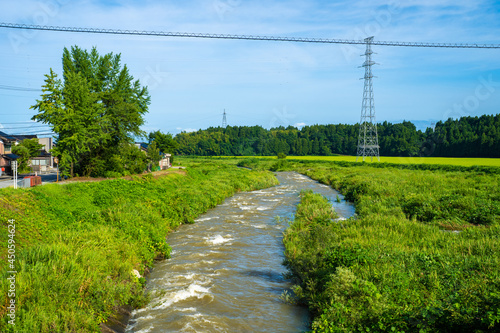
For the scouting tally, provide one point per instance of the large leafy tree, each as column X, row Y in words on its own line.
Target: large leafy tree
column 95, row 109
column 164, row 141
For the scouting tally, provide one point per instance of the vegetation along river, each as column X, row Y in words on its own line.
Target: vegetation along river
column 226, row 272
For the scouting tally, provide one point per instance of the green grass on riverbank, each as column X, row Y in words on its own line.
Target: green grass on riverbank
column 77, row 244
column 397, row 267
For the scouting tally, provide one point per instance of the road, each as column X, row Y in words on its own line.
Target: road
column 46, row 178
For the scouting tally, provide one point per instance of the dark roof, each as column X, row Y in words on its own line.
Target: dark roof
column 142, row 145
column 9, row 137
column 11, row 157
column 43, row 154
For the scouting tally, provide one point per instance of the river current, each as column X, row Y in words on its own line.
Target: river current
column 226, row 272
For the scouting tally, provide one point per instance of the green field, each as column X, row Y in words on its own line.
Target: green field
column 402, row 160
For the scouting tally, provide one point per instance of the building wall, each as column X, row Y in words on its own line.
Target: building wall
column 7, row 148
column 3, row 162
column 165, row 162
column 47, row 145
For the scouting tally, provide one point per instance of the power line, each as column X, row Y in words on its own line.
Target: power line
column 244, row 37
column 25, row 133
column 4, row 87
column 23, row 127
column 19, row 122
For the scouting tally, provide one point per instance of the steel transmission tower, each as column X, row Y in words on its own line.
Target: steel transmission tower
column 368, row 137
column 224, row 121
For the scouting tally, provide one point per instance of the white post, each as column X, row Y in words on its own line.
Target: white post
column 14, row 172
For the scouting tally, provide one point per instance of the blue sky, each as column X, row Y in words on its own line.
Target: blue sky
column 192, row 81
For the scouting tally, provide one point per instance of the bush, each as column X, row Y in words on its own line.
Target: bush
column 281, row 165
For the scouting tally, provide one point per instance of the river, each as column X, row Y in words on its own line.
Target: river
column 226, row 272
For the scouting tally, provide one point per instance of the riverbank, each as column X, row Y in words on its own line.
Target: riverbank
column 396, row 268
column 76, row 246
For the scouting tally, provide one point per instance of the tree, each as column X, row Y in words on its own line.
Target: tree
column 94, row 111
column 164, row 141
column 154, row 155
column 26, row 150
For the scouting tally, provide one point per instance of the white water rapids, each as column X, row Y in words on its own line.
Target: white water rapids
column 226, row 272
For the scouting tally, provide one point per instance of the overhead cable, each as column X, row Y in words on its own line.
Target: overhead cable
column 243, row 37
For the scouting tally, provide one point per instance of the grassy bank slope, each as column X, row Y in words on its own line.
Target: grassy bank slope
column 396, row 268
column 77, row 244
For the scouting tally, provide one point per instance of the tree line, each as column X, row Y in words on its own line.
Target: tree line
column 464, row 137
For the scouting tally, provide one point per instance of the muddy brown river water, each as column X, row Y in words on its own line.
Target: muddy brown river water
column 226, row 272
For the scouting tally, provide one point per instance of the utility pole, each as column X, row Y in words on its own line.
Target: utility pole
column 368, row 137
column 224, row 121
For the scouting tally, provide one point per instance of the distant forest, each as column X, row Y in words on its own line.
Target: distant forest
column 465, row 137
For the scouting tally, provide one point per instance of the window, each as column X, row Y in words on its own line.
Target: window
column 39, row 162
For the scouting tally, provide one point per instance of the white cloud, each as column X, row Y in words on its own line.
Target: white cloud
column 192, row 78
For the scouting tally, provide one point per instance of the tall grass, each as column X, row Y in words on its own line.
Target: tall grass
column 396, row 268
column 379, row 273
column 77, row 244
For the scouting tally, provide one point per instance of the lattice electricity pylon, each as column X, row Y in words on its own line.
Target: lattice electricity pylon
column 224, row 121
column 368, row 137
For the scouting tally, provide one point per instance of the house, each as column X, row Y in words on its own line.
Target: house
column 165, row 162
column 45, row 160
column 2, row 151
column 142, row 146
column 39, row 163
column 3, row 161
column 6, row 156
